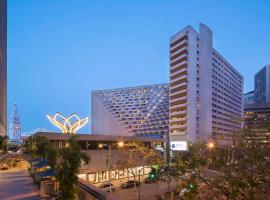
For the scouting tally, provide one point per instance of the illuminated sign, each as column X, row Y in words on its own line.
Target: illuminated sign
column 68, row 125
column 179, row 145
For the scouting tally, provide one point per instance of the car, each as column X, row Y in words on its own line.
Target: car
column 107, row 187
column 130, row 184
column 4, row 167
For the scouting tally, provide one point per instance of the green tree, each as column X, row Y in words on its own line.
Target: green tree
column 3, row 142
column 40, row 146
column 239, row 170
column 137, row 154
column 67, row 169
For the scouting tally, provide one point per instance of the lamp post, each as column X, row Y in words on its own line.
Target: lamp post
column 119, row 144
column 140, row 183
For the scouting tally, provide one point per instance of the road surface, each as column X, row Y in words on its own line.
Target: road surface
column 16, row 184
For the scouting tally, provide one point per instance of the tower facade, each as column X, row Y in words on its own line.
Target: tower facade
column 3, row 67
column 142, row 110
column 15, row 125
column 262, row 85
column 206, row 91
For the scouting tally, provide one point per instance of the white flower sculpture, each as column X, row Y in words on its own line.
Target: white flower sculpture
column 68, row 125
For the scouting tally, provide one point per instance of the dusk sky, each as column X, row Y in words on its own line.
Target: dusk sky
column 61, row 50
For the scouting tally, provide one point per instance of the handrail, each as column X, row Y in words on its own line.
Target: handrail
column 4, row 156
column 94, row 191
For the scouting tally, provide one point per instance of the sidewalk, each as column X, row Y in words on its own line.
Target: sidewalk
column 16, row 184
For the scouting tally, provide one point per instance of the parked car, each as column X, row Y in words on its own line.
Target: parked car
column 107, row 187
column 130, row 184
column 4, row 166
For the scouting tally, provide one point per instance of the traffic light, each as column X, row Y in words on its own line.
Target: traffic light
column 192, row 186
column 153, row 174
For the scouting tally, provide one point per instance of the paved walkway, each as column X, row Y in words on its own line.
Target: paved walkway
column 16, row 184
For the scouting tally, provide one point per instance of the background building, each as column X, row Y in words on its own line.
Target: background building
column 206, row 91
column 3, row 66
column 142, row 110
column 249, row 98
column 15, row 125
column 257, row 116
column 262, row 85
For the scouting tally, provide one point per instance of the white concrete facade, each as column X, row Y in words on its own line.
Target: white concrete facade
column 206, row 92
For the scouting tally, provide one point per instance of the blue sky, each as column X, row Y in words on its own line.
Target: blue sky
column 61, row 50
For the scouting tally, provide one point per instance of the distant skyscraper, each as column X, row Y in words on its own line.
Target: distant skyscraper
column 249, row 98
column 206, row 91
column 15, row 125
column 130, row 111
column 262, row 85
column 3, row 67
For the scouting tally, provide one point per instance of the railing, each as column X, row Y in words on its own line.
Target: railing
column 4, row 156
column 88, row 191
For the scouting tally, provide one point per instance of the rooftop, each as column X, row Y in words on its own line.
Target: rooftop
column 94, row 137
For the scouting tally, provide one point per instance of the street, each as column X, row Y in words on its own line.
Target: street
column 148, row 191
column 16, row 184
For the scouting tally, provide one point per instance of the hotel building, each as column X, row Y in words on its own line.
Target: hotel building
column 206, row 91
column 3, row 67
column 142, row 110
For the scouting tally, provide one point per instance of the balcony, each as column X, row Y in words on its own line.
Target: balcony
column 181, row 70
column 179, row 107
column 181, row 126
column 179, row 85
column 180, row 99
column 178, row 41
column 184, row 77
column 178, row 52
column 179, row 59
column 180, row 112
column 179, row 94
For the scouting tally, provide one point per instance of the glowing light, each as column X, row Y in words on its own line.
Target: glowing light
column 67, row 125
column 211, row 145
column 120, row 144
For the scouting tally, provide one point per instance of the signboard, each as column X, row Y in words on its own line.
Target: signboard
column 179, row 145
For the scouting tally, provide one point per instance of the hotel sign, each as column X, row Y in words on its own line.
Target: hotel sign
column 179, row 145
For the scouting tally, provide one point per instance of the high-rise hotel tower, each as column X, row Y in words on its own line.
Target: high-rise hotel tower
column 3, row 66
column 206, row 91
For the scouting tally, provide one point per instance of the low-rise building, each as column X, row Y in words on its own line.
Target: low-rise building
column 100, row 166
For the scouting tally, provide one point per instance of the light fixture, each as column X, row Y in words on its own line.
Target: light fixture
column 67, row 125
column 211, row 145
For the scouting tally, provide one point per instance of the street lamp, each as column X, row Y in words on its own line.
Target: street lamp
column 119, row 144
column 211, row 145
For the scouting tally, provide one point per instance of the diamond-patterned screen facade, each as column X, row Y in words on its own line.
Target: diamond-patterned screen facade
column 130, row 111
